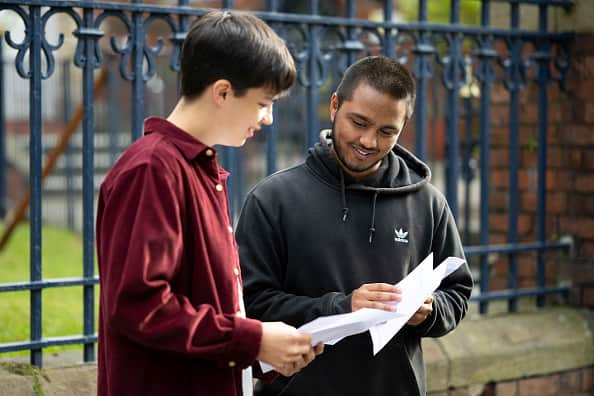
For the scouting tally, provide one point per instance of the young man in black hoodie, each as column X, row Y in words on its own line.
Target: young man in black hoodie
column 335, row 233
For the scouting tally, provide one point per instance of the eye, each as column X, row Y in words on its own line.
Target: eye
column 388, row 132
column 358, row 123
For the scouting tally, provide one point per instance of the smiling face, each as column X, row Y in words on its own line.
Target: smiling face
column 365, row 129
column 245, row 115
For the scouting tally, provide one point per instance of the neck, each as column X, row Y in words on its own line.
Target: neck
column 194, row 117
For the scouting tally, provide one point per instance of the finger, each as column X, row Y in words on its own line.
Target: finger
column 386, row 287
column 378, row 305
column 318, row 349
column 307, row 358
column 384, row 296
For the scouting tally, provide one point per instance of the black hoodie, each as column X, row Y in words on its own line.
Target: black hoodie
column 310, row 235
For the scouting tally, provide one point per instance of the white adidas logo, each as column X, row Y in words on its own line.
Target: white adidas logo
column 400, row 235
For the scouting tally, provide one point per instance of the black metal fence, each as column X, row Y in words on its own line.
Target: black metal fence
column 456, row 66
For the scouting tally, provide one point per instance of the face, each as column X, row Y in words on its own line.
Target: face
column 246, row 115
column 365, row 129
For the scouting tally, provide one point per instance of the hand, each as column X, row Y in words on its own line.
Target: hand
column 375, row 295
column 284, row 348
column 290, row 369
column 423, row 312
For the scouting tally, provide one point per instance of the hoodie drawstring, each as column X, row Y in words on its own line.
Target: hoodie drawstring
column 372, row 226
column 345, row 209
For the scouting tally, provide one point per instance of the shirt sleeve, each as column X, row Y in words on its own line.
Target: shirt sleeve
column 140, row 247
column 263, row 263
column 450, row 300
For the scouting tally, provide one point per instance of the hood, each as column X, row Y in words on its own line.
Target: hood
column 399, row 173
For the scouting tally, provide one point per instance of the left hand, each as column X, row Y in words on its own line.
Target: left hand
column 422, row 313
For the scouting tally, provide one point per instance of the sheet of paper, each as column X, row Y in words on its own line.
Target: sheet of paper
column 382, row 325
column 416, row 287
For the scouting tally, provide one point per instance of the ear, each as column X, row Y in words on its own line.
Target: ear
column 333, row 106
column 221, row 90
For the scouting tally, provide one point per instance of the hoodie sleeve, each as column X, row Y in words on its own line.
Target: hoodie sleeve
column 263, row 260
column 450, row 300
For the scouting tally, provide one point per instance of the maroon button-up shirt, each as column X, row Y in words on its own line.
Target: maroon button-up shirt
column 169, row 268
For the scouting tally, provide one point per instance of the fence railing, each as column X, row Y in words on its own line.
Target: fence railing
column 446, row 59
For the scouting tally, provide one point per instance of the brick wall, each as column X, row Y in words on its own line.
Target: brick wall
column 578, row 151
column 570, row 383
column 570, row 176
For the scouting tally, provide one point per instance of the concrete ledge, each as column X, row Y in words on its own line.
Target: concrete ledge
column 482, row 350
column 510, row 346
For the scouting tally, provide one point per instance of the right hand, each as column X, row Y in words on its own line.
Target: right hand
column 375, row 295
column 284, row 348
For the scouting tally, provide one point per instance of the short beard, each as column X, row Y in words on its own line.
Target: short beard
column 340, row 157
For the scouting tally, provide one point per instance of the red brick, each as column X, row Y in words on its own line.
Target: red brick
column 565, row 181
column 554, row 113
column 529, row 113
column 539, row 386
column 556, row 203
column 499, row 95
column 586, row 248
column 575, row 159
column 582, row 67
column 528, row 201
column 583, row 90
column 583, row 44
column 578, row 134
column 570, row 381
column 499, row 157
column 588, row 379
column 506, row 389
column 554, row 157
column 526, row 267
column 582, row 204
column 500, row 178
column 583, row 274
column 498, row 222
column 527, row 179
column 497, row 283
column 587, row 299
column 528, row 156
column 567, row 109
column 553, row 93
column 580, row 227
column 584, row 182
column 588, row 158
column 497, row 238
column 553, row 134
column 584, row 111
column 500, row 117
column 499, row 135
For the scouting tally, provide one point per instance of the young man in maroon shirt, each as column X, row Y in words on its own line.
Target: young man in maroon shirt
column 171, row 317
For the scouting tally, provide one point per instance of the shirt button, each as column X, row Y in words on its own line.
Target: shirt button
column 238, row 314
column 230, row 229
column 231, row 363
column 236, row 271
column 209, row 153
column 219, row 187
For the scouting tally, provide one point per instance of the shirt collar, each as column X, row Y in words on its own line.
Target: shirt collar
column 189, row 146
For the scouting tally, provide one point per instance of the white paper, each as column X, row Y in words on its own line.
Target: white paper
column 416, row 287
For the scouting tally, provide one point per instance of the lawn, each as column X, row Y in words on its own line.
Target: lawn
column 61, row 307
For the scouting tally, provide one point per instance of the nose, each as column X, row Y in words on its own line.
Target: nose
column 368, row 139
column 267, row 117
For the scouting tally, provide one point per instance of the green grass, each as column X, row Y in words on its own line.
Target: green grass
column 62, row 311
